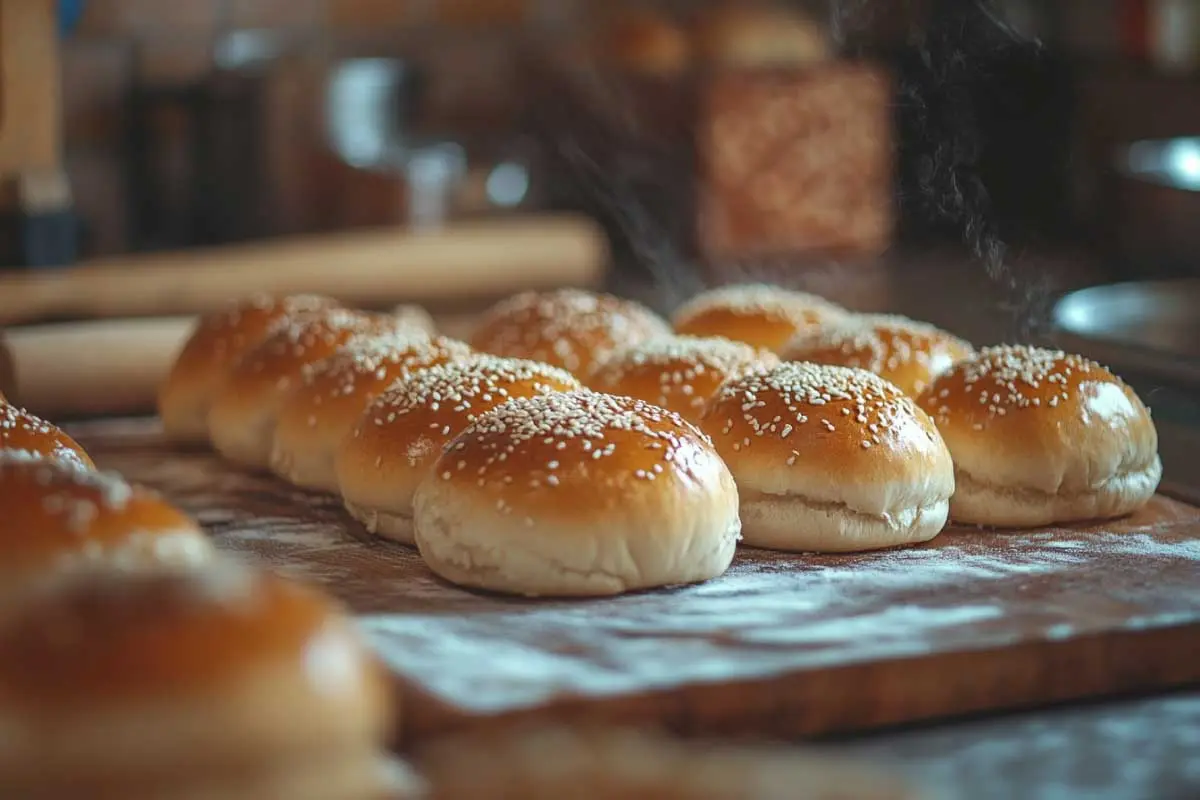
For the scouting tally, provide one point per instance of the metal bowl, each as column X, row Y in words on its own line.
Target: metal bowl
column 1149, row 328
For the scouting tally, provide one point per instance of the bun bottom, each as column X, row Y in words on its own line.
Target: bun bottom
column 977, row 502
column 795, row 524
column 499, row 554
column 313, row 473
column 384, row 524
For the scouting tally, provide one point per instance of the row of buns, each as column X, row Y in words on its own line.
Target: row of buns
column 578, row 443
column 137, row 662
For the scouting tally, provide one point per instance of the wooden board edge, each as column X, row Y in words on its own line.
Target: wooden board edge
column 798, row 705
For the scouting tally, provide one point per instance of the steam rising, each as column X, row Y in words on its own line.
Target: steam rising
column 941, row 147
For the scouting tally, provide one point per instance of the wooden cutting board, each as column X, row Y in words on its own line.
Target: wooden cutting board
column 780, row 645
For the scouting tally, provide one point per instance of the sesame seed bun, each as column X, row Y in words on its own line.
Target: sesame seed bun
column 567, row 328
column 1040, row 436
column 903, row 351
column 576, row 494
column 831, row 459
column 758, row 314
column 61, row 517
column 679, row 373
column 241, row 421
column 22, row 431
column 594, row 763
column 395, row 443
column 209, row 353
column 332, row 394
column 205, row 683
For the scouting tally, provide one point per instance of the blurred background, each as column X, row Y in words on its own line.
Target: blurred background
column 207, row 121
column 965, row 161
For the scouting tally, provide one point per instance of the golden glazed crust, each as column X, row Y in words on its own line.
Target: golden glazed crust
column 759, row 314
column 567, row 328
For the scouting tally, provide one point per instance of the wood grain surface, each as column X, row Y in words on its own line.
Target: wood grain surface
column 781, row 645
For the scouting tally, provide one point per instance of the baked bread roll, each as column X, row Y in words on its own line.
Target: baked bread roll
column 209, row 353
column 61, row 517
column 903, row 351
column 332, row 394
column 679, row 373
column 831, row 459
column 20, row 430
column 758, row 314
column 750, row 35
column 592, row 763
column 567, row 328
column 396, row 441
column 1041, row 436
column 241, row 421
column 575, row 494
column 219, row 682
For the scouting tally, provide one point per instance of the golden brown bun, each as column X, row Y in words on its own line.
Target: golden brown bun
column 208, row 356
column 552, row 763
column 903, row 351
column 1040, row 436
column 567, row 328
column 204, row 683
column 395, row 443
column 831, row 459
column 20, row 430
column 758, row 314
column 332, row 394
column 645, row 42
column 61, row 517
column 679, row 373
column 750, row 35
column 241, row 421
column 575, row 494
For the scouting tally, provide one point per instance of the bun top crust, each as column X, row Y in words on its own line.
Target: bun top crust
column 679, row 373
column 104, row 640
column 1041, row 419
column 220, row 337
column 830, row 434
column 279, row 360
column 20, row 430
column 903, row 351
column 410, row 421
column 342, row 384
column 567, row 328
column 758, row 314
column 57, row 511
column 572, row 456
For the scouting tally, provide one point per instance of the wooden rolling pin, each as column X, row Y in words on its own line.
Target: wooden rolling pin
column 375, row 268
